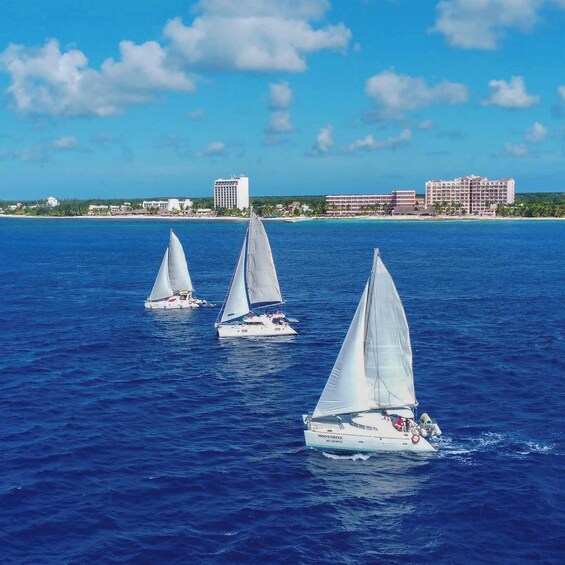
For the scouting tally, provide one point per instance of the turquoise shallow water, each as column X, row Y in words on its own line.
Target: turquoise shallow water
column 131, row 436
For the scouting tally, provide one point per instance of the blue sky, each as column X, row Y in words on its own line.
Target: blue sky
column 126, row 99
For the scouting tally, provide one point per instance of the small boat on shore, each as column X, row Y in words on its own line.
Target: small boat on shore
column 173, row 285
column 254, row 286
column 369, row 401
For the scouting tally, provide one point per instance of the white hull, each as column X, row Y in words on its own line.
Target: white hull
column 256, row 326
column 174, row 302
column 376, row 433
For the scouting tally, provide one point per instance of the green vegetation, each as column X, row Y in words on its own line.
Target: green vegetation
column 535, row 205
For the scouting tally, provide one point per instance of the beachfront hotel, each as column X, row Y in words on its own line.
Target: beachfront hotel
column 232, row 193
column 365, row 204
column 476, row 195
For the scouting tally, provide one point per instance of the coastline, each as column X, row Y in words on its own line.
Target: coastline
column 292, row 220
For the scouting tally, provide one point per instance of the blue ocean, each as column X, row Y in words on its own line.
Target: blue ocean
column 135, row 436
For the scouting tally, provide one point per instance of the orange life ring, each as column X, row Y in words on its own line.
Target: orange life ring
column 415, row 439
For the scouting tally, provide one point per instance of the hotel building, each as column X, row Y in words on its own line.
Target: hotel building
column 476, row 195
column 170, row 205
column 232, row 193
column 362, row 204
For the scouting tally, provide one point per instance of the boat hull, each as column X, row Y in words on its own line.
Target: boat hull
column 348, row 443
column 257, row 326
column 365, row 433
column 174, row 302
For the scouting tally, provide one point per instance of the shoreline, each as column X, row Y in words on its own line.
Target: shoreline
column 291, row 220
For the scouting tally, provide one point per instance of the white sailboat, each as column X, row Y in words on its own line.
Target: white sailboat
column 254, row 285
column 173, row 286
column 369, row 399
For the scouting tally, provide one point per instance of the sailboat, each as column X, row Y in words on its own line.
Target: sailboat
column 254, row 285
column 173, row 286
column 369, row 400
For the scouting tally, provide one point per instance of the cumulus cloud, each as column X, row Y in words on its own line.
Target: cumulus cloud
column 255, row 35
column 49, row 81
column 324, row 141
column 561, row 93
column 394, row 93
column 369, row 143
column 510, row 94
column 472, row 24
column 65, row 142
column 280, row 123
column 536, row 133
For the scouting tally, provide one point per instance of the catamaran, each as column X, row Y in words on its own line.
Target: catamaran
column 369, row 400
column 254, row 285
column 173, row 286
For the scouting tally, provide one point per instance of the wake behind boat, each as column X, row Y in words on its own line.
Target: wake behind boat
column 369, row 399
column 173, row 285
column 254, row 285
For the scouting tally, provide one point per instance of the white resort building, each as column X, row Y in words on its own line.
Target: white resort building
column 232, row 193
column 476, row 195
column 170, row 205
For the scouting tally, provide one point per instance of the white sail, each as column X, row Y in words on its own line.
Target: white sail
column 236, row 304
column 178, row 268
column 346, row 389
column 162, row 286
column 262, row 283
column 388, row 354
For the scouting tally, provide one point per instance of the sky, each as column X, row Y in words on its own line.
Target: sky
column 112, row 99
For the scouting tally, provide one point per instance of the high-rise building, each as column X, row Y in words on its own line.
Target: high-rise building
column 232, row 193
column 476, row 195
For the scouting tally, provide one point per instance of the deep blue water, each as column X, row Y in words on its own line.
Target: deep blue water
column 134, row 436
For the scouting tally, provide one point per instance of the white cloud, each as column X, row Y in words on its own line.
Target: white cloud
column 536, row 133
column 255, row 35
column 561, row 92
column 280, row 99
column 481, row 24
column 48, row 81
column 213, row 149
column 369, row 143
column 515, row 150
column 510, row 94
column 66, row 142
column 248, row 35
column 394, row 93
column 280, row 96
column 32, row 154
column 324, row 141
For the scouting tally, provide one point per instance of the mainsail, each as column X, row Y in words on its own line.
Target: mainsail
column 178, row 267
column 374, row 366
column 262, row 283
column 254, row 282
